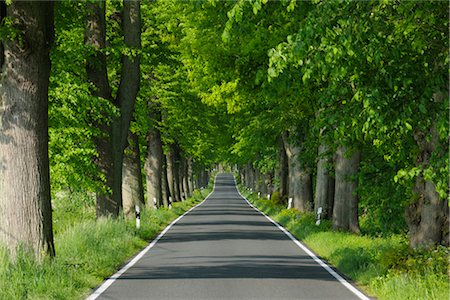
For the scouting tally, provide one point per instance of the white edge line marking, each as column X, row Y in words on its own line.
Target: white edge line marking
column 114, row 277
column 338, row 277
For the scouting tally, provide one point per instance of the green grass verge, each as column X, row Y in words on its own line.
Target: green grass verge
column 383, row 267
column 87, row 251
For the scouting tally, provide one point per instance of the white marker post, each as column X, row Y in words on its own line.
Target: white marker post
column 268, row 196
column 319, row 212
column 290, row 203
column 259, row 194
column 170, row 202
column 154, row 203
column 138, row 217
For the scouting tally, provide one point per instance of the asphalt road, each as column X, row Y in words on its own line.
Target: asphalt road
column 225, row 249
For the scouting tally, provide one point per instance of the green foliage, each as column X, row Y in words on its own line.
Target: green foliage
column 9, row 33
column 73, row 112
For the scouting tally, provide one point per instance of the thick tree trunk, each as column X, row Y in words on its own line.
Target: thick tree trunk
column 324, row 183
column 428, row 215
column 251, row 176
column 154, row 168
column 257, row 180
column 187, row 194
column 127, row 91
column 170, row 175
column 190, row 176
column 331, row 190
column 299, row 179
column 165, row 193
column 111, row 146
column 132, row 185
column 181, row 166
column 283, row 171
column 95, row 37
column 345, row 211
column 204, row 178
column 263, row 185
column 177, row 186
column 269, row 182
column 25, row 206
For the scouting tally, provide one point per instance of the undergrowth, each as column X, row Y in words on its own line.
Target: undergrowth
column 87, row 251
column 385, row 267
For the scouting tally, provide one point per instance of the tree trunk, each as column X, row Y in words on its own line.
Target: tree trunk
column 132, row 186
column 181, row 167
column 190, row 176
column 170, row 175
column 111, row 146
column 95, row 37
column 299, row 178
column 165, row 193
column 263, row 185
column 428, row 214
column 331, row 189
column 324, row 183
column 127, row 91
column 177, row 187
column 258, row 180
column 283, row 171
column 269, row 182
column 204, row 178
column 25, row 205
column 154, row 168
column 185, row 178
column 345, row 211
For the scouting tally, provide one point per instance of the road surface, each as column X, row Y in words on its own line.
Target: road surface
column 225, row 249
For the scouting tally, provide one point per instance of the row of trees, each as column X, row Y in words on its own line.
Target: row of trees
column 340, row 105
column 92, row 96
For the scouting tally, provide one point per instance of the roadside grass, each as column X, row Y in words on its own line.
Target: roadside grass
column 87, row 251
column 384, row 267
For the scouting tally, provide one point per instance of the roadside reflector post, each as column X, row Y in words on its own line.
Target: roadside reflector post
column 154, row 203
column 319, row 213
column 268, row 196
column 259, row 194
column 170, row 202
column 290, row 203
column 138, row 217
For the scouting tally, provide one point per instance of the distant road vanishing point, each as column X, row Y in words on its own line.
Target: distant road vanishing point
column 225, row 249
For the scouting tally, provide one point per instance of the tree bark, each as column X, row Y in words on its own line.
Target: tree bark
column 165, row 193
column 95, row 37
column 2, row 49
column 112, row 144
column 177, row 187
column 170, row 174
column 269, row 182
column 427, row 215
column 283, row 171
column 345, row 211
column 154, row 168
column 324, row 183
column 185, row 178
column 132, row 186
column 127, row 91
column 299, row 178
column 258, row 180
column 190, row 175
column 25, row 204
